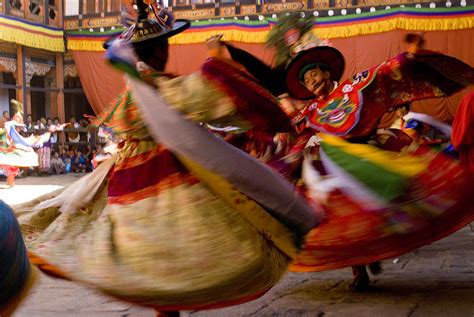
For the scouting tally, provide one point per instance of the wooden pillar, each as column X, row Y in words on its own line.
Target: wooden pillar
column 22, row 92
column 59, row 7
column 46, row 12
column 60, row 111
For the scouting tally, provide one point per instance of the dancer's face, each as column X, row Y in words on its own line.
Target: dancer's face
column 318, row 82
column 155, row 55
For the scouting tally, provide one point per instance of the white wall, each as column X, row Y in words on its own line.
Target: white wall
column 4, row 102
column 72, row 7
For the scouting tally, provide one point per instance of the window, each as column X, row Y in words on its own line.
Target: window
column 52, row 14
column 90, row 6
column 113, row 4
column 72, row 7
column 34, row 8
column 16, row 4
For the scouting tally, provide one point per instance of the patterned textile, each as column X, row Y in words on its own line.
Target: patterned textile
column 44, row 155
column 14, row 264
column 378, row 204
column 398, row 81
column 340, row 114
column 384, row 204
column 158, row 231
column 253, row 102
column 14, row 156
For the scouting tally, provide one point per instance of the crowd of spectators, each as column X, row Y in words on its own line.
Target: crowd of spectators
column 71, row 152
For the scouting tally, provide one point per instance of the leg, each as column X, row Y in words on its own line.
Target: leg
column 11, row 180
column 375, row 268
column 361, row 279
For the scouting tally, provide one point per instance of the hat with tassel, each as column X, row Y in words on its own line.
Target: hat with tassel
column 301, row 50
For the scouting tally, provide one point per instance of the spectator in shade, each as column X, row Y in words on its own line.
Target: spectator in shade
column 78, row 162
column 57, row 164
column 54, row 136
column 5, row 118
column 66, row 158
column 29, row 122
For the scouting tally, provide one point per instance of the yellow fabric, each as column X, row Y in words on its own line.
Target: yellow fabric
column 31, row 35
column 157, row 251
column 229, row 35
column 256, row 215
column 332, row 31
column 85, row 45
column 392, row 161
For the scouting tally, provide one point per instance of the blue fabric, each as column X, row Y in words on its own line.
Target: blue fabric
column 14, row 135
column 14, row 263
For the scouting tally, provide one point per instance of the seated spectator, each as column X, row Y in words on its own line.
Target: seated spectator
column 57, row 164
column 44, row 123
column 5, row 118
column 29, row 122
column 66, row 158
column 78, row 162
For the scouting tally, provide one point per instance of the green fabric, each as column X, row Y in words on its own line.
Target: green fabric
column 384, row 183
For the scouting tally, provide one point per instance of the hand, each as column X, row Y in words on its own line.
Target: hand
column 214, row 42
column 53, row 128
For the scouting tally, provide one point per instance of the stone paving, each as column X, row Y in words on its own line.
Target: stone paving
column 437, row 280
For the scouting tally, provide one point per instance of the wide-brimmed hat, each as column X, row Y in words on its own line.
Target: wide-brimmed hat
column 326, row 57
column 148, row 31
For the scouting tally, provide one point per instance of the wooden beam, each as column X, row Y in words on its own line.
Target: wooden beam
column 21, row 93
column 60, row 111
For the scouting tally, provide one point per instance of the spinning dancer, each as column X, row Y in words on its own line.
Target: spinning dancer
column 164, row 228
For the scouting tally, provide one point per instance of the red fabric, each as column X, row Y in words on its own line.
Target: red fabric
column 10, row 170
column 101, row 83
column 431, row 210
column 463, row 131
column 463, row 124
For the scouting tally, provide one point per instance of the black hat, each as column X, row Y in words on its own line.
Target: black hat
column 146, row 31
column 326, row 57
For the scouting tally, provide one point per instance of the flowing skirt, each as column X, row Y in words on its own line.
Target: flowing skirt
column 381, row 204
column 156, row 235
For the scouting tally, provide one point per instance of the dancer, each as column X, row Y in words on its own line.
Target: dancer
column 369, row 217
column 156, row 226
column 15, row 150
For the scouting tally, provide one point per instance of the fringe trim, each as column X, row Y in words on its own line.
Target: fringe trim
column 31, row 35
column 326, row 28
